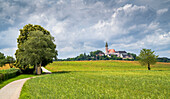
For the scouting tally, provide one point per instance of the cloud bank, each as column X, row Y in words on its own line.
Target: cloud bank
column 85, row 25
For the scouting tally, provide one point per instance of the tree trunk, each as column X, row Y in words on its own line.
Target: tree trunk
column 149, row 67
column 39, row 69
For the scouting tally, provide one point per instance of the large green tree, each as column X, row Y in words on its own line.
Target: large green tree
column 147, row 57
column 31, row 40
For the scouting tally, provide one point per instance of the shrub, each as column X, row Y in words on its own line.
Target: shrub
column 9, row 73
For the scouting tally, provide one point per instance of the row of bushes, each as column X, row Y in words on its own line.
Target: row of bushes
column 9, row 73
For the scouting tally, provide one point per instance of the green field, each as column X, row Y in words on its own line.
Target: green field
column 100, row 79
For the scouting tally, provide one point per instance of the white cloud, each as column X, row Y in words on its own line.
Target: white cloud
column 9, row 51
column 161, row 11
column 147, row 34
column 82, row 26
column 123, row 21
column 9, row 37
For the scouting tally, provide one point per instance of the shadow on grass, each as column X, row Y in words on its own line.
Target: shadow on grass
column 61, row 72
column 158, row 70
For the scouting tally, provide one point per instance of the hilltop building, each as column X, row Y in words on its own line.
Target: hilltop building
column 122, row 54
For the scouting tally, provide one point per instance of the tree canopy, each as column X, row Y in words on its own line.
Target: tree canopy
column 147, row 57
column 35, row 46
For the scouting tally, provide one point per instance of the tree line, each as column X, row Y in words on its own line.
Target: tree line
column 6, row 60
column 97, row 55
column 94, row 55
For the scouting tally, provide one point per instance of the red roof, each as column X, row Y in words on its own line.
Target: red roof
column 111, row 51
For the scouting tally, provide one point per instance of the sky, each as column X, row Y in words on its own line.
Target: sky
column 81, row 26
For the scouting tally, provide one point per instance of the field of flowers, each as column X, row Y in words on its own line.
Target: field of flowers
column 100, row 79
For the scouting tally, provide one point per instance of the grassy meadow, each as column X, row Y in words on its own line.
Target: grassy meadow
column 100, row 79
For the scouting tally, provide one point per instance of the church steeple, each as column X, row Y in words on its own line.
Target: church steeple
column 106, row 46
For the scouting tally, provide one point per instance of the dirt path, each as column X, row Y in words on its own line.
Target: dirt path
column 12, row 90
column 45, row 70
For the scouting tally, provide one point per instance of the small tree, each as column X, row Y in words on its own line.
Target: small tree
column 147, row 57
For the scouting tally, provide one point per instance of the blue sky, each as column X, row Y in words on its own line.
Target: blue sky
column 85, row 25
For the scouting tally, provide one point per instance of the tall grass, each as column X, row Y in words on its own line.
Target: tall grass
column 113, row 65
column 100, row 79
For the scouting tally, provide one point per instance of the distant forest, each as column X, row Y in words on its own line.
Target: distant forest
column 95, row 55
column 163, row 59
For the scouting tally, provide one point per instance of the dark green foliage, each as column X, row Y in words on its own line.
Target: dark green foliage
column 37, row 48
column 2, row 59
column 2, row 62
column 32, row 45
column 9, row 73
column 10, row 60
column 147, row 57
column 25, row 31
column 164, row 59
column 94, row 55
column 134, row 55
column 129, row 59
column 97, row 55
column 2, row 56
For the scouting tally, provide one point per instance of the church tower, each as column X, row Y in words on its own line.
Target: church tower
column 106, row 46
